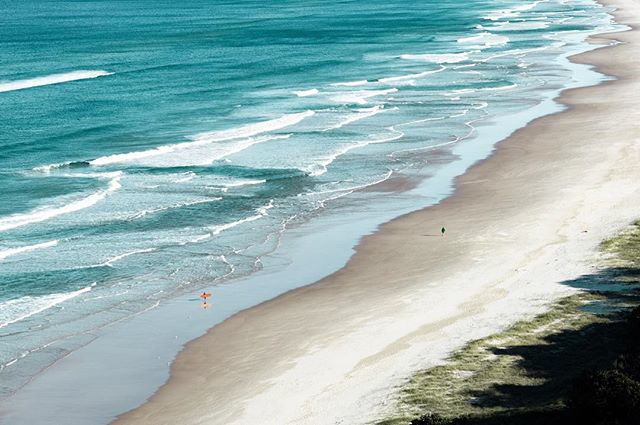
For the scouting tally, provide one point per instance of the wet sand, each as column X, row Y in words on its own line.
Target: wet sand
column 519, row 225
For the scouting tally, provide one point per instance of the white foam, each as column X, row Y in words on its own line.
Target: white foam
column 484, row 40
column 529, row 6
column 401, row 78
column 197, row 239
column 305, row 93
column 261, row 212
column 322, row 164
column 523, row 52
column 344, row 191
column 498, row 88
column 216, row 230
column 518, row 26
column 51, row 79
column 188, row 176
column 471, row 65
column 207, row 138
column 47, row 168
column 244, row 183
column 197, row 154
column 351, row 83
column 13, row 311
column 239, row 183
column 109, row 262
column 46, row 213
column 360, row 114
column 144, row 213
column 411, row 76
column 514, row 12
column 28, row 248
column 360, row 97
column 502, row 14
column 438, row 58
column 253, row 129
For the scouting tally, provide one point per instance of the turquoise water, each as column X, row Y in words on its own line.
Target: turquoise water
column 149, row 149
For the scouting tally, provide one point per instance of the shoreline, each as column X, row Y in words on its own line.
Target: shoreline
column 377, row 290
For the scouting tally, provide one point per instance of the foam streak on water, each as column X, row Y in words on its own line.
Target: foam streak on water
column 48, row 212
column 28, row 248
column 206, row 138
column 22, row 308
column 50, row 79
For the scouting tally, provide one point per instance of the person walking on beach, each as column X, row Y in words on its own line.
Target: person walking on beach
column 443, row 230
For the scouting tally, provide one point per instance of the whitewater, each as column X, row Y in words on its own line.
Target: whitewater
column 50, row 79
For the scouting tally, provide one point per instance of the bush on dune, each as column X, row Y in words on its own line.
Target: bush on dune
column 430, row 419
column 606, row 397
column 611, row 396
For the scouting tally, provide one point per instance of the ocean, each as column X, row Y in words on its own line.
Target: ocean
column 150, row 150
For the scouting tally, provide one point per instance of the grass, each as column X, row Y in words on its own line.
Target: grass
column 625, row 247
column 528, row 369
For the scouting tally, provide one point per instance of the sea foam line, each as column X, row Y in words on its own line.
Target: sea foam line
column 22, row 249
column 46, row 213
column 144, row 213
column 351, row 83
column 217, row 229
column 188, row 176
column 360, row 97
column 486, row 39
column 410, row 77
column 109, row 262
column 305, row 93
column 516, row 26
column 513, row 13
column 438, row 58
column 523, row 52
column 399, row 78
column 239, row 183
column 202, row 139
column 261, row 212
column 322, row 165
column 357, row 116
column 205, row 154
column 499, row 88
column 13, row 311
column 51, row 79
column 345, row 190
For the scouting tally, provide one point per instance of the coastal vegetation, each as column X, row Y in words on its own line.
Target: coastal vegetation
column 577, row 363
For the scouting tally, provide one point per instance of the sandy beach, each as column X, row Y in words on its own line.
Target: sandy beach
column 519, row 225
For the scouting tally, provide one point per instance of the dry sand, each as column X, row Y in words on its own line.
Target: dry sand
column 519, row 225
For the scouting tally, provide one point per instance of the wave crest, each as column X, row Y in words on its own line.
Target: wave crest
column 51, row 79
column 13, row 311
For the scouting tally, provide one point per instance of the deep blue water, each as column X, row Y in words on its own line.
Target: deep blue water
column 149, row 149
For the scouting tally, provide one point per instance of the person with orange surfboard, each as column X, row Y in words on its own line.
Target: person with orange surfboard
column 204, row 297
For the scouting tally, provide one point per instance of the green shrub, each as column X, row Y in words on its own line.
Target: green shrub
column 606, row 397
column 430, row 419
